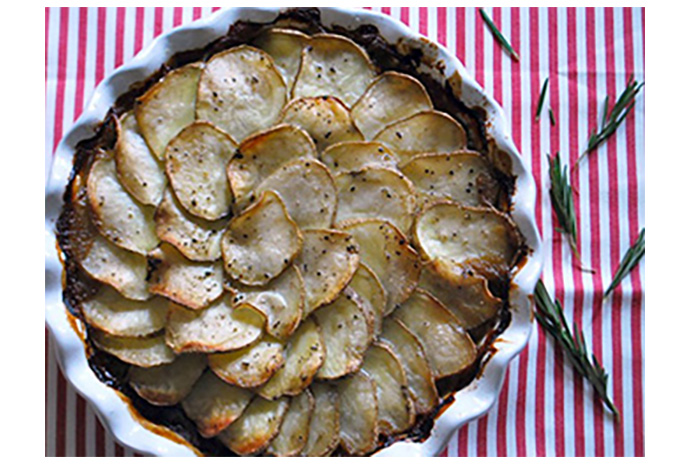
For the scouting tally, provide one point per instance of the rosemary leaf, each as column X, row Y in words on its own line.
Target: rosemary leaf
column 497, row 34
column 551, row 117
column 542, row 96
column 630, row 260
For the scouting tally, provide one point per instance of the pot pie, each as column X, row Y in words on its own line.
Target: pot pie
column 289, row 243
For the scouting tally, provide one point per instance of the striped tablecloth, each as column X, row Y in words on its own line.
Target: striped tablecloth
column 544, row 408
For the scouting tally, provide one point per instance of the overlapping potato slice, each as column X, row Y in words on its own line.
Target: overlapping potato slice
column 195, row 162
column 324, row 428
column 376, row 192
column 358, row 413
column 285, row 46
column 167, row 107
column 424, row 132
column 111, row 313
column 354, row 156
column 256, row 427
column 251, row 366
column 448, row 348
column 386, row 251
column 294, row 430
column 347, row 332
column 466, row 239
column 214, row 404
column 333, row 65
column 119, row 217
column 368, row 288
column 414, row 362
column 328, row 260
column 325, row 118
column 261, row 154
column 139, row 170
column 260, row 243
column 168, row 384
column 240, row 91
column 395, row 407
column 390, row 98
column 188, row 283
column 144, row 352
column 304, row 356
column 463, row 177
column 219, row 327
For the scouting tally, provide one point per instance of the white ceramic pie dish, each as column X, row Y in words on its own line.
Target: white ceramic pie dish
column 470, row 403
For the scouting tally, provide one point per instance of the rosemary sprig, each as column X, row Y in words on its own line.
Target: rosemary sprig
column 497, row 34
column 542, row 96
column 630, row 260
column 550, row 316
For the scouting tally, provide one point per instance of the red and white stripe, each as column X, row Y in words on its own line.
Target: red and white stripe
column 544, row 408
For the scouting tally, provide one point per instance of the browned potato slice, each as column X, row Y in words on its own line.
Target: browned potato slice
column 145, row 352
column 167, row 107
column 324, row 428
column 196, row 238
column 260, row 243
column 326, row 120
column 410, row 352
column 358, row 413
column 195, row 162
column 261, row 154
column 424, row 132
column 333, row 65
column 376, row 192
column 111, row 313
column 120, row 218
column 354, row 156
column 285, row 46
column 192, row 284
column 391, row 97
column 139, row 170
column 447, row 346
column 328, row 260
column 240, row 91
column 251, row 366
column 295, row 428
column 214, row 404
column 168, row 384
column 308, row 191
column 369, row 289
column 217, row 328
column 386, row 251
column 304, row 356
column 256, row 427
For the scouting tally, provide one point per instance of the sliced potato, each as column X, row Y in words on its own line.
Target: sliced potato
column 324, row 428
column 413, row 360
column 144, row 352
column 195, row 162
column 294, row 430
column 111, row 313
column 308, row 191
column 260, row 243
column 251, row 366
column 214, row 404
column 449, row 349
column 423, row 132
column 304, row 356
column 261, row 154
column 354, row 156
column 376, row 192
column 168, row 384
column 328, row 260
column 390, row 98
column 369, row 289
column 167, row 107
column 325, row 118
column 139, row 170
column 217, row 328
column 333, row 65
column 285, row 46
column 386, row 251
column 256, row 427
column 358, row 413
column 120, row 218
column 240, row 91
column 188, row 283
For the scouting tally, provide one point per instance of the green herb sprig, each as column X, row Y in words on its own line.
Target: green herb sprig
column 550, row 316
column 630, row 260
column 551, row 117
column 542, row 96
column 499, row 37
